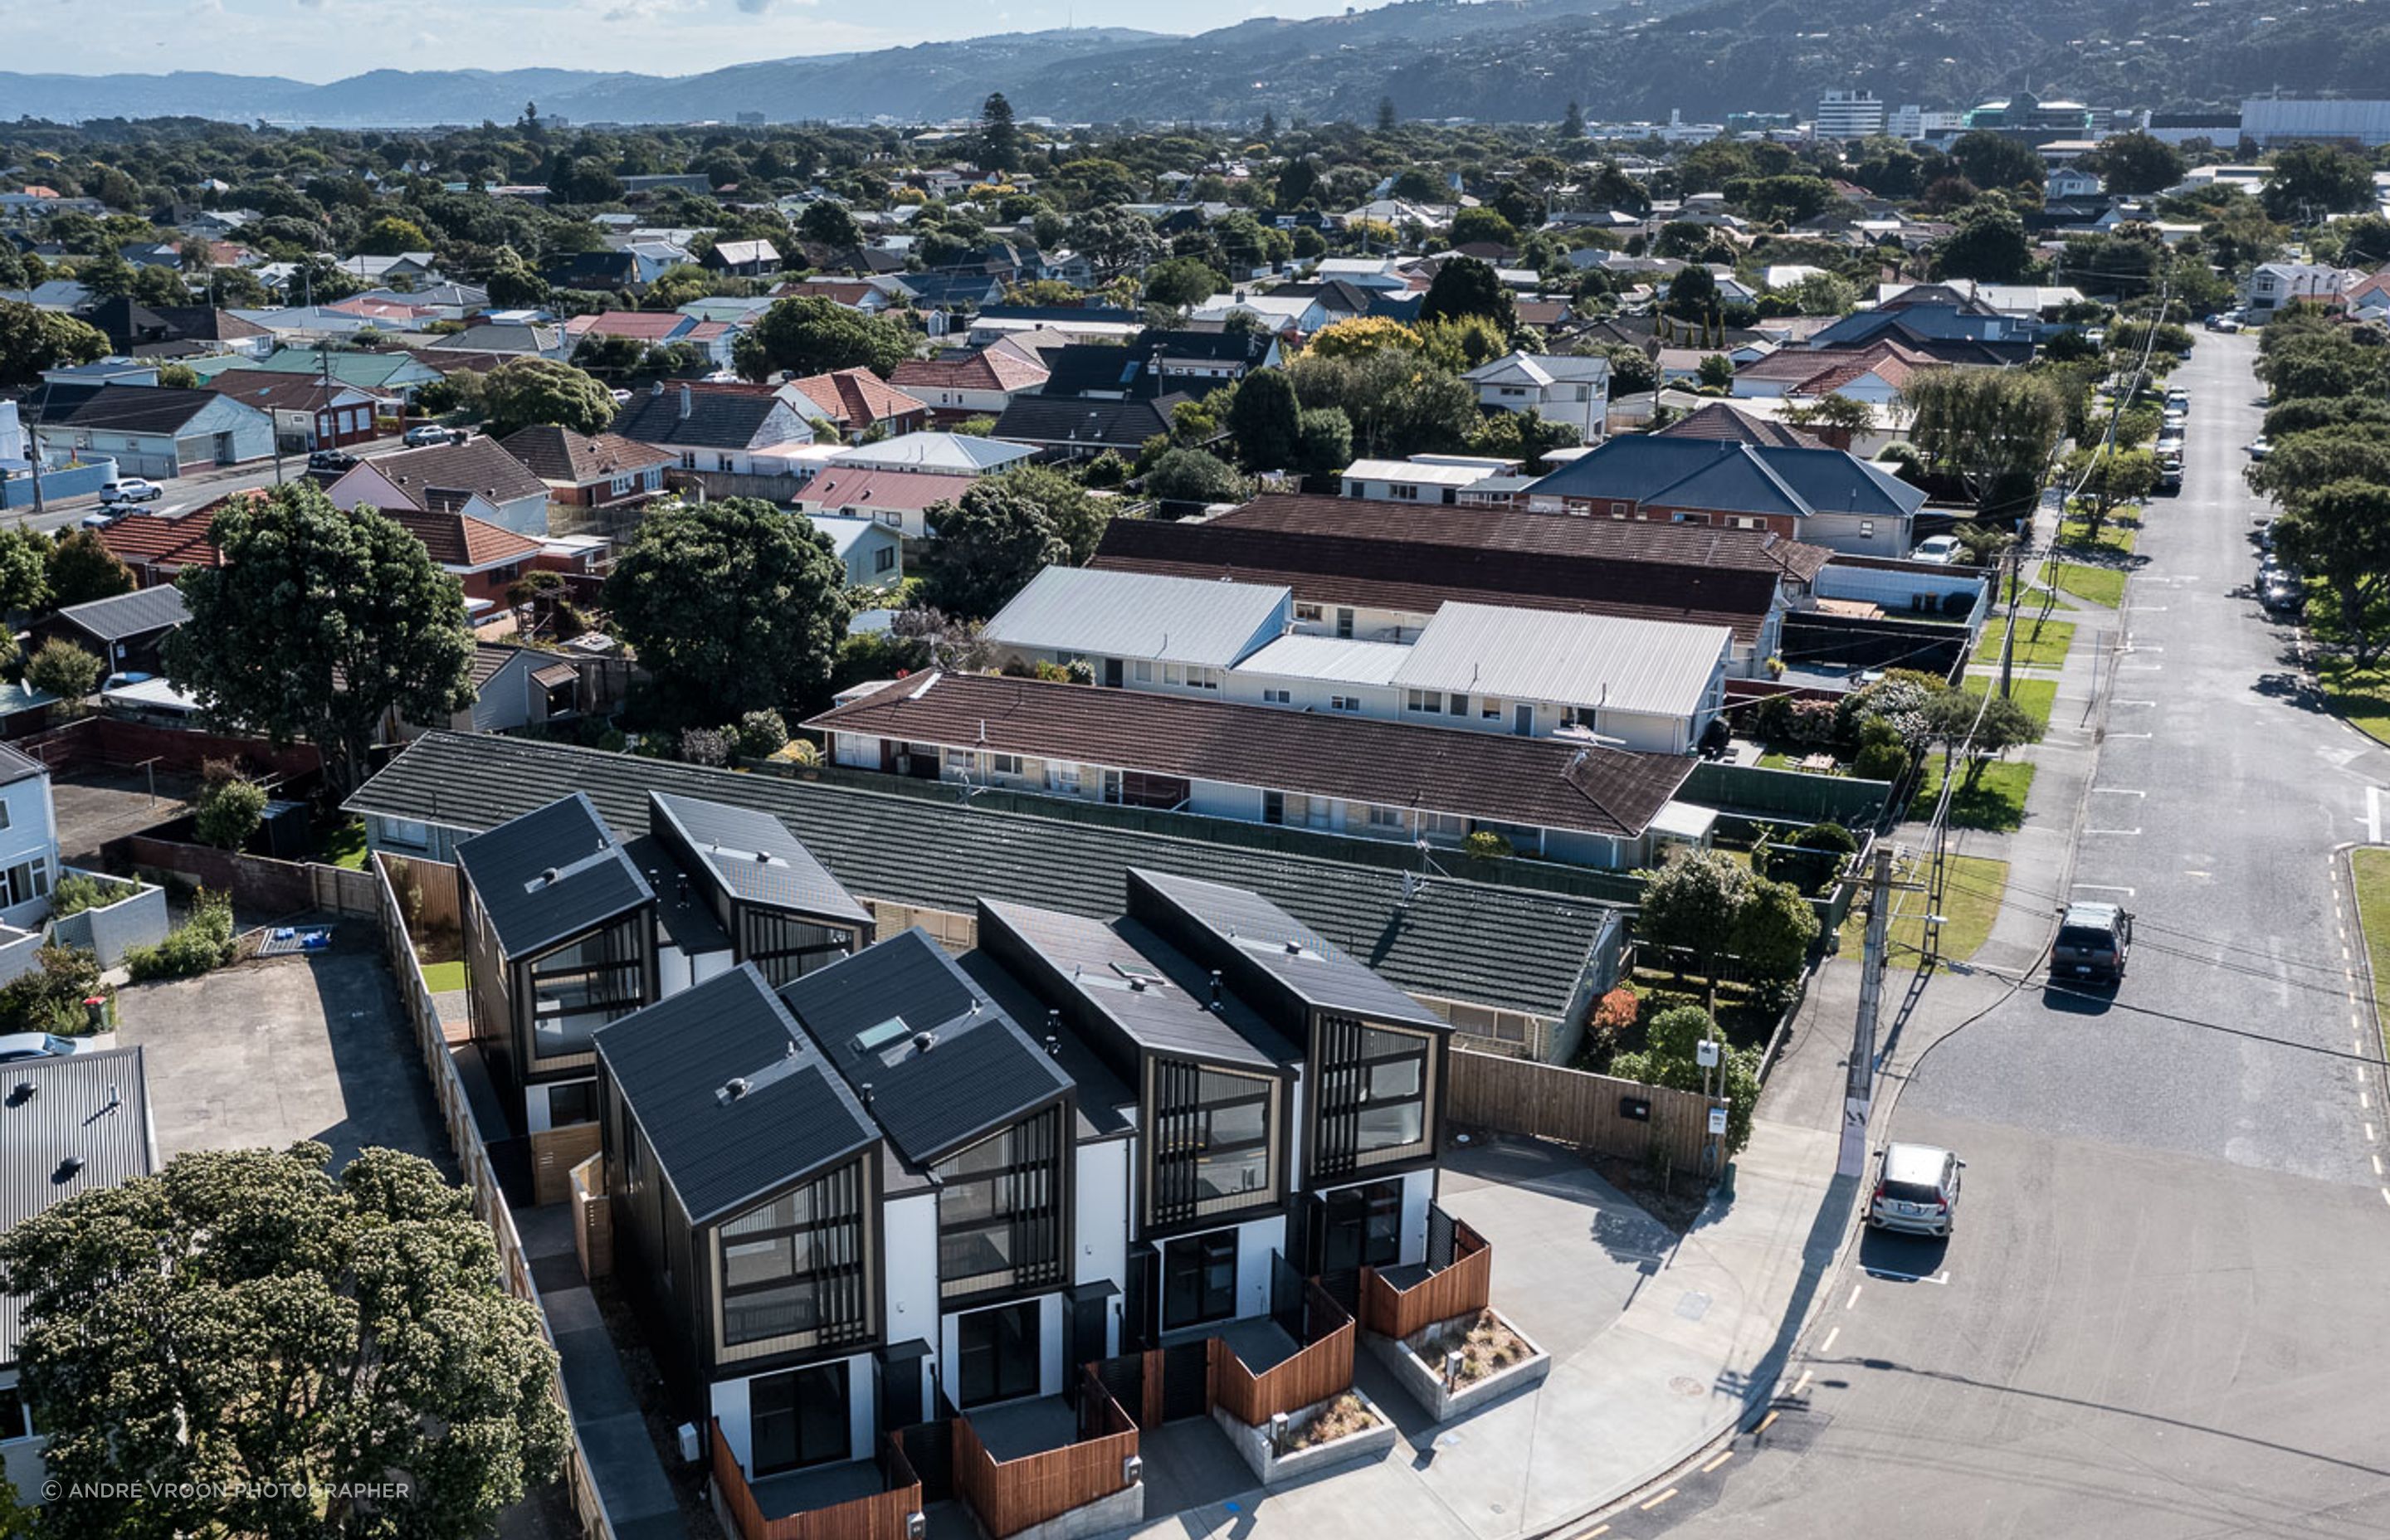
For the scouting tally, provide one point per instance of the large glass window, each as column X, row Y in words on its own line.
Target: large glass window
column 1362, row 1228
column 1000, row 1210
column 580, row 987
column 1374, row 1085
column 798, row 1418
column 794, row 1267
column 1199, row 1279
column 998, row 1354
column 1215, row 1140
column 785, row 946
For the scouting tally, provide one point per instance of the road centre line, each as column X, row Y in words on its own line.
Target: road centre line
column 1827, row 1345
column 2119, row 791
column 1854, row 1300
column 1802, row 1383
column 2132, row 703
column 1715, row 1463
column 2115, row 831
column 1942, row 1277
column 2106, row 888
column 2128, row 735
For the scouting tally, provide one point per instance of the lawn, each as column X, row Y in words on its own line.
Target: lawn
column 2117, row 533
column 345, row 846
column 2101, row 585
column 439, row 978
column 2036, row 695
column 2361, row 694
column 2039, row 643
column 1970, row 902
column 2372, row 868
column 1777, row 758
column 1995, row 801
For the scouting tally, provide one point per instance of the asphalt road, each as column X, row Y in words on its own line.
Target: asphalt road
column 185, row 492
column 2166, row 1313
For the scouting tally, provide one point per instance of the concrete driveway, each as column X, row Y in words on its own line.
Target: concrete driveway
column 282, row 1049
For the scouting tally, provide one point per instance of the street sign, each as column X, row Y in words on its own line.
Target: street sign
column 1717, row 1120
column 1705, row 1053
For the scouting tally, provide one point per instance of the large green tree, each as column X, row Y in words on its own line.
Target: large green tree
column 2304, row 464
column 812, row 334
column 2310, row 181
column 1181, row 283
column 989, row 542
column 522, row 393
column 2135, row 162
column 81, row 568
column 733, row 606
column 1194, row 476
column 31, row 340
column 1266, row 421
column 1990, row 160
column 320, row 625
column 243, row 1344
column 1464, row 286
column 1996, row 429
column 2340, row 533
column 999, row 138
column 1989, row 245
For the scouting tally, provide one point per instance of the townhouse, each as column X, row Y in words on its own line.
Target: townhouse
column 1822, row 496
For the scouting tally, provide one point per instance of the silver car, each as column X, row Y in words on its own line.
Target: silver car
column 1916, row 1189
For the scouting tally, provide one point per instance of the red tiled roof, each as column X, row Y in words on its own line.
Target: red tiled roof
column 457, row 540
column 454, row 540
column 845, row 291
column 988, row 369
column 856, row 398
column 647, row 326
column 1547, row 782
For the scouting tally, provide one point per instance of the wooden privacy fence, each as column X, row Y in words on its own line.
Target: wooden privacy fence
column 1463, row 1289
column 1595, row 1112
column 1323, row 1368
column 882, row 1516
column 481, row 1180
column 592, row 1218
column 1011, row 1496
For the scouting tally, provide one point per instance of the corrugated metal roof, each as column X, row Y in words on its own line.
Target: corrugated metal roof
column 1336, row 659
column 868, row 1015
column 1656, row 666
column 131, row 614
column 755, row 856
column 88, row 1107
column 1508, row 947
column 1281, row 946
column 550, row 873
column 1076, row 609
column 672, row 1061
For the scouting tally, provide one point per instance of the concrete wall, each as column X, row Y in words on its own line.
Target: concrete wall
column 1100, row 1198
column 138, row 920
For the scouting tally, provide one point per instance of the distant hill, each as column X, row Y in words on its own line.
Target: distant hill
column 1497, row 60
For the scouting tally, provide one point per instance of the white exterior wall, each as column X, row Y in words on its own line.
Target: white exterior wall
column 1102, row 1224
column 731, row 1405
column 29, row 840
column 673, row 971
column 710, row 964
column 909, row 1231
column 1258, row 1240
column 1369, row 624
column 1855, row 534
column 1308, row 694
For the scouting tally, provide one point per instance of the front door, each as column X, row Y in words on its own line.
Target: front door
column 998, row 1355
column 1523, row 721
column 1199, row 1279
column 1112, row 673
column 1362, row 1227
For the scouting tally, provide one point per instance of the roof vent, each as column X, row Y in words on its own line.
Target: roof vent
column 734, row 1089
column 924, row 1041
column 21, row 1093
column 548, row 877
column 1294, row 949
column 1219, row 998
column 1053, row 1047
column 69, row 1169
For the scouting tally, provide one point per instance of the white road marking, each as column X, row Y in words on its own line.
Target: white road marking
column 2377, row 1166
column 2369, row 1134
column 1827, row 1345
column 2128, row 735
column 2116, row 831
column 1941, row 1278
column 1802, row 1383
column 1658, row 1500
column 1854, row 1300
column 2105, row 888
column 2119, row 791
column 1715, row 1463
column 2373, row 814
column 2132, row 702
column 2143, row 668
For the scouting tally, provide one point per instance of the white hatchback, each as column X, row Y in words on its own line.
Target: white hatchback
column 1916, row 1189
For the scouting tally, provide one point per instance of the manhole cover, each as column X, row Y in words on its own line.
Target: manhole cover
column 1683, row 1385
column 1692, row 1305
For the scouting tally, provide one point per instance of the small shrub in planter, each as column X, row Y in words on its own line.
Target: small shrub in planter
column 1486, row 1346
column 1487, row 846
column 230, row 808
column 50, row 998
column 1341, row 1418
column 202, row 943
column 80, row 890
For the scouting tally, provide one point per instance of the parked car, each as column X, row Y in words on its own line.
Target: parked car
column 2092, row 941
column 2259, row 448
column 432, row 433
column 131, row 489
column 100, row 518
column 1943, row 550
column 2171, row 472
column 34, row 1045
column 1916, row 1189
column 331, row 459
column 622, row 397
column 2283, row 595
column 2225, row 322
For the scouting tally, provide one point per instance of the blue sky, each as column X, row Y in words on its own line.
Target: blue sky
column 322, row 40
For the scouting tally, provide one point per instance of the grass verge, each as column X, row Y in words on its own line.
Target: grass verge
column 2039, row 643
column 2360, row 695
column 1971, row 905
column 2117, row 533
column 1996, row 801
column 2100, row 585
column 2036, row 695
column 2371, row 865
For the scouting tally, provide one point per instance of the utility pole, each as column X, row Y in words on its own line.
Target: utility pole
column 1859, row 1085
column 2008, row 632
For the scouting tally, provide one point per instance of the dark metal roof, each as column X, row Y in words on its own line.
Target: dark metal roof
column 88, row 1108
column 1508, row 947
column 123, row 616
column 945, row 1064
column 684, row 914
column 1154, row 995
column 1086, row 419
column 17, row 765
column 716, row 419
column 755, row 856
column 673, row 1061
column 551, row 873
column 117, row 408
column 1279, row 945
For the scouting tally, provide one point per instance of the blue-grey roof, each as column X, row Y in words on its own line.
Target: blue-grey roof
column 1090, row 612
column 123, row 616
column 753, row 855
column 1731, row 476
column 88, row 1108
column 551, row 873
column 722, row 1145
column 1281, row 946
column 946, row 1063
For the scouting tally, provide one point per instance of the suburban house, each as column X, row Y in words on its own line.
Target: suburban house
column 173, row 331
column 1874, row 373
column 608, row 270
column 391, row 373
column 309, row 414
column 477, row 479
column 726, row 430
column 1146, row 629
column 871, row 550
column 588, row 470
column 1080, row 323
column 933, row 453
column 414, row 266
column 743, row 259
column 856, row 403
column 1432, row 479
column 569, row 926
column 1380, row 572
column 28, row 847
column 897, row 500
column 2272, row 285
column 122, row 631
column 148, row 429
column 861, row 294
column 980, row 384
column 1360, row 776
column 75, row 1124
column 1825, row 498
column 1560, row 387
column 514, row 688
column 1160, row 363
column 1078, row 428
column 658, row 328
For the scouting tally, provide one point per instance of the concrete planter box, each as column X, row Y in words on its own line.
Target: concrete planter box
column 1276, row 1470
column 1425, row 1381
column 137, row 919
column 1121, row 1512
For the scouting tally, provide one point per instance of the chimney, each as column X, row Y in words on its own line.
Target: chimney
column 684, row 403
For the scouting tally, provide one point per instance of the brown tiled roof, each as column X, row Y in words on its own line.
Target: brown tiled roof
column 856, row 398
column 862, row 488
column 555, row 454
column 478, row 465
column 1718, row 421
column 1545, row 782
column 988, row 369
column 454, row 540
column 273, row 390
column 150, row 540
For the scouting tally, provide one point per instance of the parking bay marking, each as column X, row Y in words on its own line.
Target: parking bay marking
column 1942, row 1277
